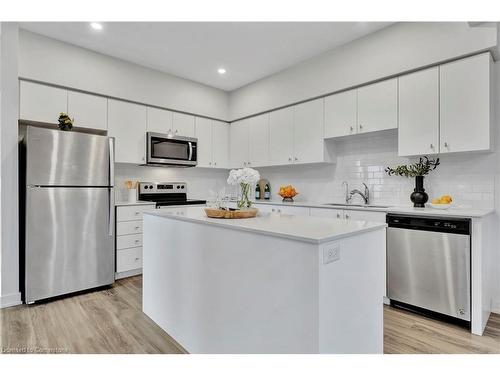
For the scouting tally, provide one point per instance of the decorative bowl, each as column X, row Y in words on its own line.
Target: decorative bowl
column 287, row 193
column 219, row 213
column 440, row 206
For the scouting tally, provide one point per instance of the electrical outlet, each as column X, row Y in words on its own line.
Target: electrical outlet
column 331, row 253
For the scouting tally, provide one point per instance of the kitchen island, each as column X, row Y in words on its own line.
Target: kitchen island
column 271, row 284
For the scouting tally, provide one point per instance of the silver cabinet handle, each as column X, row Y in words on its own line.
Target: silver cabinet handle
column 446, row 144
column 351, row 128
column 215, row 163
column 169, row 131
column 289, row 158
column 432, row 146
column 296, row 158
column 338, row 216
column 175, row 131
column 137, row 259
column 137, row 213
column 244, row 163
column 279, row 210
column 137, row 228
column 248, row 163
column 209, row 163
column 360, row 126
column 347, row 216
column 137, row 241
column 272, row 209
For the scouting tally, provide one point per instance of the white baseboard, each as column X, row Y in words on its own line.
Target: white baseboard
column 122, row 275
column 9, row 300
column 495, row 306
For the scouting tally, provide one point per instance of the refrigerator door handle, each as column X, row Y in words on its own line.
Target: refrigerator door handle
column 111, row 161
column 111, row 223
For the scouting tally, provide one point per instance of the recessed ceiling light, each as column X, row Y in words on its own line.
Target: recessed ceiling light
column 96, row 25
column 221, row 71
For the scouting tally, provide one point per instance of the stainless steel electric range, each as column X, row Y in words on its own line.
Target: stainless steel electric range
column 166, row 194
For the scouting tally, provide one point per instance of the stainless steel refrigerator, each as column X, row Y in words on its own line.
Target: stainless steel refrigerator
column 68, row 225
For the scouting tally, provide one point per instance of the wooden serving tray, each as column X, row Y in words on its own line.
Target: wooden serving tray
column 231, row 214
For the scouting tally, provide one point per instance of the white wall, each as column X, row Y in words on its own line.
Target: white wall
column 390, row 51
column 48, row 60
column 202, row 182
column 8, row 150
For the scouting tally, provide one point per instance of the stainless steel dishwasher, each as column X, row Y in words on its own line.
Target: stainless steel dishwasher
column 429, row 265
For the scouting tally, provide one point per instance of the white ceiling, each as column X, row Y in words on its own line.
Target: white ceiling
column 195, row 50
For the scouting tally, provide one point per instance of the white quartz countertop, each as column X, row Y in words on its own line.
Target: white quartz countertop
column 301, row 228
column 136, row 203
column 427, row 211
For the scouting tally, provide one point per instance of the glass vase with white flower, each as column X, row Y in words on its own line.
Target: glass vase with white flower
column 246, row 178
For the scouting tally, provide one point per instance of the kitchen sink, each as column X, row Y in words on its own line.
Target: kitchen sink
column 346, row 205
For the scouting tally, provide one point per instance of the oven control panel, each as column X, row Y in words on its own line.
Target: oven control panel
column 162, row 187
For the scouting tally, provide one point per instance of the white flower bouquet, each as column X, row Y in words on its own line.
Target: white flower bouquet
column 246, row 178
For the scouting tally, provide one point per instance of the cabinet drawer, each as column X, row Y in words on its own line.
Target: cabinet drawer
column 129, row 259
column 131, row 240
column 128, row 227
column 129, row 213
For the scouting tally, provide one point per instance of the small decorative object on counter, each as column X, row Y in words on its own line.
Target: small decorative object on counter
column 418, row 170
column 261, row 188
column 267, row 191
column 65, row 123
column 442, row 203
column 287, row 193
column 132, row 190
column 246, row 178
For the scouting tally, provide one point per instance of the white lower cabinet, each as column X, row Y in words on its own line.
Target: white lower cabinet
column 282, row 209
column 129, row 239
column 327, row 212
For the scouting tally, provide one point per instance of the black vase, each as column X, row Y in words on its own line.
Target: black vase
column 419, row 197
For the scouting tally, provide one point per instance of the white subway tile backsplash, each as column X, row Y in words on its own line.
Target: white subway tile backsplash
column 469, row 179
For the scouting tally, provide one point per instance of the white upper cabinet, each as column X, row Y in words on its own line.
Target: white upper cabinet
column 220, row 144
column 127, row 123
column 281, row 136
column 378, row 106
column 341, row 114
column 238, row 144
column 88, row 111
column 309, row 132
column 41, row 103
column 204, row 145
column 465, row 95
column 159, row 120
column 183, row 124
column 418, row 131
column 258, row 133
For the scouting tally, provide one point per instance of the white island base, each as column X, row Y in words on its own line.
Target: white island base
column 261, row 285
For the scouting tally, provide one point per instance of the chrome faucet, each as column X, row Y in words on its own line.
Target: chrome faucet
column 365, row 195
column 348, row 197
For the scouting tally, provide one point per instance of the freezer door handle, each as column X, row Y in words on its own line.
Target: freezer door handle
column 111, row 162
column 111, row 222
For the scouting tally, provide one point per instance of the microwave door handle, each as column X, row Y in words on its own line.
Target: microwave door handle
column 190, row 151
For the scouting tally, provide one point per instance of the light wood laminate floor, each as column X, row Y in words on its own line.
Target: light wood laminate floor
column 111, row 321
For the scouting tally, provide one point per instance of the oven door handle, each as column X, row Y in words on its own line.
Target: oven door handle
column 190, row 157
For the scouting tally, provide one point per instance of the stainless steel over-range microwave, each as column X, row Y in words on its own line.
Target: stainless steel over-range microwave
column 170, row 150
